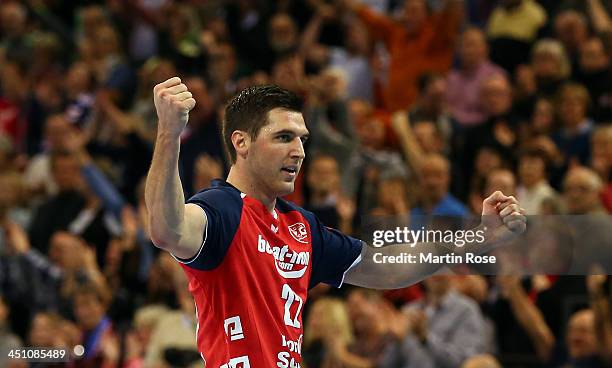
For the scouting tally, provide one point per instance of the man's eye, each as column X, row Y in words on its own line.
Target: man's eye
column 284, row 138
column 303, row 139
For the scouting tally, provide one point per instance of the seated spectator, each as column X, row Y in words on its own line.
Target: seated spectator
column 581, row 189
column 594, row 73
column 436, row 199
column 549, row 68
column 176, row 329
column 57, row 212
column 328, row 335
column 573, row 138
column 534, row 187
column 431, row 104
column 325, row 196
column 601, row 161
column 572, row 29
column 499, row 131
column 90, row 311
column 38, row 175
column 502, row 180
column 372, row 333
column 463, row 83
column 8, row 339
column 442, row 327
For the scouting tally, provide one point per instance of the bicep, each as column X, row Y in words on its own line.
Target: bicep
column 194, row 226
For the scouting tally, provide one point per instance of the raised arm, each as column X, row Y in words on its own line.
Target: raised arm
column 173, row 225
column 599, row 16
column 529, row 317
column 603, row 319
column 407, row 262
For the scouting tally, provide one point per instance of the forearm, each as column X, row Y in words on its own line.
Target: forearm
column 603, row 324
column 164, row 194
column 395, row 266
column 599, row 16
column 103, row 188
column 403, row 264
column 532, row 321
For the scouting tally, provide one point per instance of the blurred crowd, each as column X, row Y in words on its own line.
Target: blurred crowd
column 415, row 107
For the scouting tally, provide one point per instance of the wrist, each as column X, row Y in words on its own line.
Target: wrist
column 168, row 134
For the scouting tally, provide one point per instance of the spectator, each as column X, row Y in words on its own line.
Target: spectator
column 481, row 361
column 512, row 28
column 57, row 212
column 418, row 43
column 571, row 28
column 436, row 199
column 323, row 179
column 329, row 335
column 90, row 306
column 8, row 338
column 601, row 162
column 443, row 327
column 175, row 329
column 353, row 59
column 573, row 139
column 594, row 73
column 463, row 85
column 534, row 188
column 581, row 189
column 431, row 104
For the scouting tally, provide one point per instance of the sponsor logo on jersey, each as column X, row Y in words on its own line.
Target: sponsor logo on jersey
column 298, row 232
column 289, row 264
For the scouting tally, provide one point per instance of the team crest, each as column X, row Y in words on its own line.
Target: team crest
column 298, row 232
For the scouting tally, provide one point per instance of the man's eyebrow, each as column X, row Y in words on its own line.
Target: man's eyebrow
column 292, row 132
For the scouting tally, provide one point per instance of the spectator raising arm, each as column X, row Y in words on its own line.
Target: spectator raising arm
column 599, row 16
column 603, row 319
column 173, row 226
column 528, row 316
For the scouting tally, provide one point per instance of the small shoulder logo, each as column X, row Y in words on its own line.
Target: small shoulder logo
column 298, row 232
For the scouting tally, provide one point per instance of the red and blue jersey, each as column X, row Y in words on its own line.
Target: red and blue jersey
column 251, row 276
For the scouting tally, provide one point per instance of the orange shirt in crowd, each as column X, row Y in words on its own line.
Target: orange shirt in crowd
column 412, row 55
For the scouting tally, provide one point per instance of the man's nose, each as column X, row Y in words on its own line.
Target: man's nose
column 298, row 149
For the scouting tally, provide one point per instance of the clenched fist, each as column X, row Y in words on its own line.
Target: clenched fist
column 173, row 102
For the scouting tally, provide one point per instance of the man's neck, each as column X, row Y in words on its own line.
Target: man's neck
column 239, row 179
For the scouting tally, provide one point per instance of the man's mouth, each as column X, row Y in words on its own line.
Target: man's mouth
column 291, row 169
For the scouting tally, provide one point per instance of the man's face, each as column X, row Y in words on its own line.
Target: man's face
column 283, row 33
column 66, row 173
column 473, row 49
column 497, row 96
column 532, row 169
column 435, row 178
column 323, row 175
column 88, row 311
column 593, row 56
column 274, row 158
column 581, row 196
column 581, row 339
column 413, row 15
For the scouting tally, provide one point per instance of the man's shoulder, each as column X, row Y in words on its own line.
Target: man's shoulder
column 217, row 195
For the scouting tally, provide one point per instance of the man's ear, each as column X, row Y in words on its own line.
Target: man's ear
column 241, row 142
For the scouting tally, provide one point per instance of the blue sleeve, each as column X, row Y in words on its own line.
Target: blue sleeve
column 333, row 253
column 223, row 209
column 104, row 189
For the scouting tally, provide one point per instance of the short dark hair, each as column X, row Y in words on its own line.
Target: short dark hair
column 248, row 111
